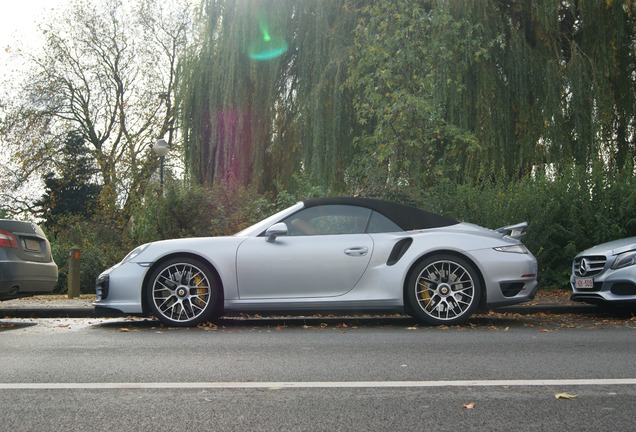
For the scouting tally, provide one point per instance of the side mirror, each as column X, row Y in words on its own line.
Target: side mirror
column 279, row 229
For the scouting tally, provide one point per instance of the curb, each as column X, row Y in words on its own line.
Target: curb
column 74, row 308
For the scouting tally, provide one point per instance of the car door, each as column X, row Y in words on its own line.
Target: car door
column 325, row 254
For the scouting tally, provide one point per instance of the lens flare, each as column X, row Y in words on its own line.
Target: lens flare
column 270, row 46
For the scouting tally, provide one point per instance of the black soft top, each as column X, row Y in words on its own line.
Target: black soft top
column 406, row 217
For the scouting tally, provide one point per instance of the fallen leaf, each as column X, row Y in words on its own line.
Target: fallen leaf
column 124, row 330
column 469, row 406
column 564, row 396
column 208, row 326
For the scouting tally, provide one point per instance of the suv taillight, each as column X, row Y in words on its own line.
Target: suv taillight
column 7, row 239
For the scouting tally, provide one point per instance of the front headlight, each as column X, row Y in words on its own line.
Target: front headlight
column 135, row 253
column 625, row 259
column 519, row 248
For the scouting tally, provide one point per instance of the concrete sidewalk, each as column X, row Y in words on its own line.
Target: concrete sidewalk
column 58, row 306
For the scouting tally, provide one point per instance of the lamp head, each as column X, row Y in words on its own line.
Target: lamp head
column 161, row 147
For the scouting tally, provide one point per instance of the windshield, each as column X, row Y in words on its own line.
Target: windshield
column 261, row 226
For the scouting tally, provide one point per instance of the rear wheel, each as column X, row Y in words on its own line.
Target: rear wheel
column 183, row 292
column 443, row 290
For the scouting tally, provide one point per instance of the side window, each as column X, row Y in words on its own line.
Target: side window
column 328, row 220
column 380, row 223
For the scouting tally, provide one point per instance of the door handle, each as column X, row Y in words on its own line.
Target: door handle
column 357, row 251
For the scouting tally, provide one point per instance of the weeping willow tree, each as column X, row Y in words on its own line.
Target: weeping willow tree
column 448, row 87
column 261, row 95
column 555, row 86
column 409, row 56
column 409, row 91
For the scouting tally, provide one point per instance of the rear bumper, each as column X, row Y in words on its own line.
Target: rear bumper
column 510, row 278
column 18, row 279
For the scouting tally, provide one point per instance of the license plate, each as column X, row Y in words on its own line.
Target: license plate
column 32, row 245
column 584, row 283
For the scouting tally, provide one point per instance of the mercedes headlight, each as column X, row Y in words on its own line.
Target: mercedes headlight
column 625, row 259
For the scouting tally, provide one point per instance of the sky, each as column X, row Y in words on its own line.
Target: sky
column 21, row 16
column 18, row 24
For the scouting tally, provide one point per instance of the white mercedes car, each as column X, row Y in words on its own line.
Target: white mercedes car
column 328, row 254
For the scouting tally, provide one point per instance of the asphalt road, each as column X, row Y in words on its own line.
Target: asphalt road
column 498, row 372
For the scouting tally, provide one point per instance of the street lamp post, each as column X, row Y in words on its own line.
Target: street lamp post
column 161, row 149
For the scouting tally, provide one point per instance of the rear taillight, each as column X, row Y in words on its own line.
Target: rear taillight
column 7, row 239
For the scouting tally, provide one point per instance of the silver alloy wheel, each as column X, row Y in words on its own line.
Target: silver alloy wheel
column 445, row 291
column 181, row 293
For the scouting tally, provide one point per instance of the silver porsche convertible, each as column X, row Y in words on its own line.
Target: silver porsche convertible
column 328, row 254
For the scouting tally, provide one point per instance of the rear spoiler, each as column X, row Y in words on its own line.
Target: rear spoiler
column 513, row 231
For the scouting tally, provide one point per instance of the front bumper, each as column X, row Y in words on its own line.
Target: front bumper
column 120, row 288
column 609, row 286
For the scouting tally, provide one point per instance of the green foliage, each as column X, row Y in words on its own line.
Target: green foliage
column 303, row 188
column 446, row 88
column 101, row 242
column 554, row 84
column 408, row 57
column 195, row 211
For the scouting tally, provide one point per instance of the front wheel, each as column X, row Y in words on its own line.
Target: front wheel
column 183, row 292
column 443, row 290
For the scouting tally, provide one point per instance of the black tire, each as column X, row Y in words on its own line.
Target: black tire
column 183, row 292
column 443, row 290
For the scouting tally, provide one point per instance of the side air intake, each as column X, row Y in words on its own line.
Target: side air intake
column 399, row 250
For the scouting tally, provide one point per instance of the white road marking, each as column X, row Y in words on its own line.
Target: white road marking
column 316, row 384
